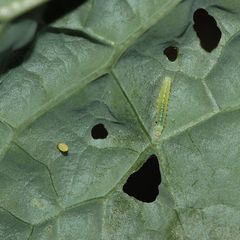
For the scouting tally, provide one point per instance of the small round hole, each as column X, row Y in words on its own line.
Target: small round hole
column 171, row 53
column 99, row 131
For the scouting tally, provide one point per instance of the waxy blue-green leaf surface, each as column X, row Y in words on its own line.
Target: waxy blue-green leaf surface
column 10, row 10
column 104, row 63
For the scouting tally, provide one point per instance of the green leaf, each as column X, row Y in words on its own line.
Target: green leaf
column 10, row 9
column 17, row 35
column 104, row 63
column 16, row 31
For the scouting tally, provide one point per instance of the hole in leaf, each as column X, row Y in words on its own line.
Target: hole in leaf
column 207, row 30
column 171, row 53
column 143, row 184
column 99, row 131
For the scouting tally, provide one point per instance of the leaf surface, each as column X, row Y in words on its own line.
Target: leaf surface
column 104, row 63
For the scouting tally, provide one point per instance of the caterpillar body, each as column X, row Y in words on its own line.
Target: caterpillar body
column 162, row 106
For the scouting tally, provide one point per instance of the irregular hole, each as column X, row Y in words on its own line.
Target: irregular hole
column 207, row 30
column 99, row 131
column 171, row 53
column 143, row 184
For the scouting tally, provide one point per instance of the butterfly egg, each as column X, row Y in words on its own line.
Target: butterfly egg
column 63, row 148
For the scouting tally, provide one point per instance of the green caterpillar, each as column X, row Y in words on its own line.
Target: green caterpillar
column 162, row 106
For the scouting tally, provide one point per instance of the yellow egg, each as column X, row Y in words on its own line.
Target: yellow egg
column 62, row 147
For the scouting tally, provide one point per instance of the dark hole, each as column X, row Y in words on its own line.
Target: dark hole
column 171, row 53
column 207, row 30
column 99, row 131
column 143, row 184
